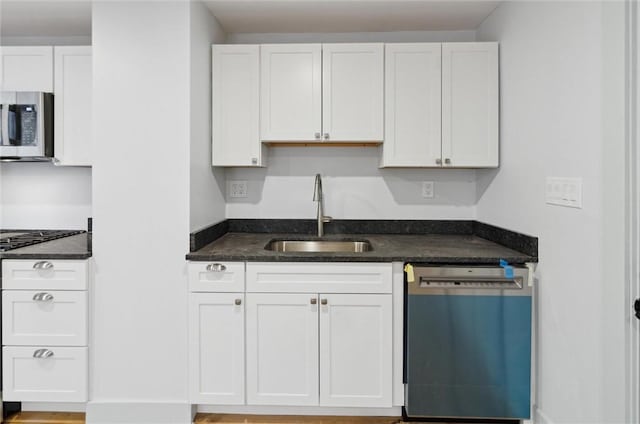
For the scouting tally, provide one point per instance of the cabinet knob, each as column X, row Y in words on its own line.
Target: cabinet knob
column 323, row 301
column 326, row 136
column 42, row 354
column 43, row 297
column 43, row 265
column 238, row 302
column 254, row 161
column 438, row 161
column 314, row 301
column 317, row 136
column 216, row 268
column 447, row 161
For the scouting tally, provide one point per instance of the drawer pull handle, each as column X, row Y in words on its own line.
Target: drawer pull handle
column 216, row 268
column 323, row 301
column 43, row 297
column 43, row 265
column 42, row 354
column 314, row 301
column 238, row 302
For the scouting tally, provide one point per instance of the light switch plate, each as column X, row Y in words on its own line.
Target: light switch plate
column 564, row 192
column 427, row 189
column 237, row 189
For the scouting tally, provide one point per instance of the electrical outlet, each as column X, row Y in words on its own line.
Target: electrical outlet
column 427, row 189
column 237, row 189
column 564, row 192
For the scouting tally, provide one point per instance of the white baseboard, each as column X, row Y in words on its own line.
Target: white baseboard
column 139, row 413
column 540, row 417
column 300, row 410
column 54, row 407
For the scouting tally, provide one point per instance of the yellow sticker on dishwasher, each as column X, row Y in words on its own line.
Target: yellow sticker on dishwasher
column 408, row 268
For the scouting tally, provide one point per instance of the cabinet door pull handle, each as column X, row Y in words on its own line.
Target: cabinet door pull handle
column 42, row 354
column 317, row 136
column 43, row 297
column 238, row 302
column 324, row 301
column 216, row 268
column 43, row 265
column 326, row 136
column 447, row 161
column 314, row 301
column 438, row 161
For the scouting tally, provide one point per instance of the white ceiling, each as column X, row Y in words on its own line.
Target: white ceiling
column 73, row 17
column 240, row 16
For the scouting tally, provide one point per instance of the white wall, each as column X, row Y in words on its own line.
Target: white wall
column 354, row 186
column 553, row 107
column 207, row 183
column 43, row 196
column 141, row 53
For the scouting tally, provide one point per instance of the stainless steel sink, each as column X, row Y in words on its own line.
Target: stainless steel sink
column 319, row 246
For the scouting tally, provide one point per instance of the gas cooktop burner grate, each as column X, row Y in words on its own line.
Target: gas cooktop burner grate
column 14, row 239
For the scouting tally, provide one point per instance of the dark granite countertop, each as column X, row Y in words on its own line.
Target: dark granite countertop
column 427, row 248
column 72, row 247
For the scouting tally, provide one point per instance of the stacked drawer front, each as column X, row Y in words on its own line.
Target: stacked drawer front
column 45, row 330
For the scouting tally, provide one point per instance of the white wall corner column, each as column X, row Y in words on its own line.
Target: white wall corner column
column 141, row 178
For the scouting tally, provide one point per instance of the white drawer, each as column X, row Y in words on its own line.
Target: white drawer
column 216, row 276
column 334, row 277
column 55, row 318
column 45, row 274
column 61, row 377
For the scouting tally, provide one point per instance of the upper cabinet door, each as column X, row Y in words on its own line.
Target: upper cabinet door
column 352, row 86
column 412, row 105
column 291, row 92
column 26, row 68
column 236, row 106
column 73, row 86
column 470, row 104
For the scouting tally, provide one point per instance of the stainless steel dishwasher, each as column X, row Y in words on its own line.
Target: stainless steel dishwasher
column 468, row 342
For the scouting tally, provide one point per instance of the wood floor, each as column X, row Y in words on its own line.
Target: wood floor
column 78, row 418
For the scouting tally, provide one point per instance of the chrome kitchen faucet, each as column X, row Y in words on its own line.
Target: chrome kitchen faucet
column 317, row 197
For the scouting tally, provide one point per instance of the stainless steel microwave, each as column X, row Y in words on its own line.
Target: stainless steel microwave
column 26, row 122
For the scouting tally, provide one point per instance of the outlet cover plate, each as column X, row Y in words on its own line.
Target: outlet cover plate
column 237, row 189
column 428, row 189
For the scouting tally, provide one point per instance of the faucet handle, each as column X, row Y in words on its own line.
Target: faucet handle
column 326, row 218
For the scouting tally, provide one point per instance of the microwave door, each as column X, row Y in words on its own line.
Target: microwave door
column 6, row 148
column 26, row 125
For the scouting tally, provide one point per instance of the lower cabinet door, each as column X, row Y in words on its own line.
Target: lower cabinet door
column 356, row 350
column 44, row 374
column 282, row 349
column 216, row 348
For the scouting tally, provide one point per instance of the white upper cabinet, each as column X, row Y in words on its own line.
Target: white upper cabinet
column 236, row 106
column 26, row 68
column 328, row 92
column 73, row 87
column 412, row 105
column 441, row 106
column 352, row 92
column 291, row 103
column 470, row 104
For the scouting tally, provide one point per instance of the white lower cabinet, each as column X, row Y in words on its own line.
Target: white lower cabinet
column 44, row 374
column 45, row 330
column 216, row 354
column 293, row 338
column 282, row 349
column 327, row 350
column 356, row 350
